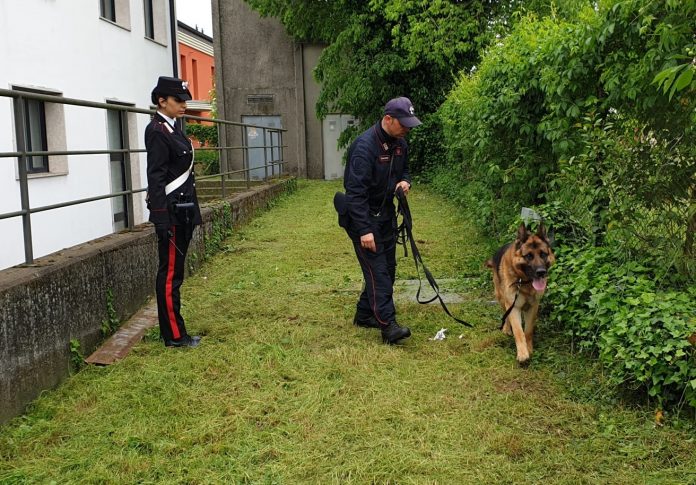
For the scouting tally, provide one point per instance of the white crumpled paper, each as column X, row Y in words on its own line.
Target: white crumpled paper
column 440, row 335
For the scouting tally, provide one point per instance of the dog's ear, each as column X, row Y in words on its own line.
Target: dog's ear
column 522, row 235
column 546, row 236
column 541, row 232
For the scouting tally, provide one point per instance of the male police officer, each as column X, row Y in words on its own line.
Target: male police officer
column 172, row 202
column 378, row 165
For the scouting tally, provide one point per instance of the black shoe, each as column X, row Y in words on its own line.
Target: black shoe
column 365, row 320
column 186, row 341
column 393, row 332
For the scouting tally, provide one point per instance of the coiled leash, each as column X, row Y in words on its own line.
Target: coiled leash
column 403, row 234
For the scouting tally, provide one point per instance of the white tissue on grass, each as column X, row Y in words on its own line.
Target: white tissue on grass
column 440, row 335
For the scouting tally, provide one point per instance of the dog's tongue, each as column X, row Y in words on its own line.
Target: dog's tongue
column 539, row 284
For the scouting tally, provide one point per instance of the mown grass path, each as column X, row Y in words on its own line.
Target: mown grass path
column 284, row 389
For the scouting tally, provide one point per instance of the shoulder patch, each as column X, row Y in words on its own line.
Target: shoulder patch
column 162, row 127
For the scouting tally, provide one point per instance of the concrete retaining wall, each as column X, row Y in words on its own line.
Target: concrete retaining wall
column 63, row 296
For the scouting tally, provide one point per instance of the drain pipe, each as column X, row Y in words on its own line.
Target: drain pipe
column 175, row 44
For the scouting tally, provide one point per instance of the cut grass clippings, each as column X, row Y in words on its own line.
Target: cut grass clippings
column 284, row 389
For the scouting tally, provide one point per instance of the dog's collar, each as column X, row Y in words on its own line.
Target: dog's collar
column 519, row 282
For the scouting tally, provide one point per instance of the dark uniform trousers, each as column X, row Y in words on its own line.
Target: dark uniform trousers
column 379, row 272
column 169, row 157
column 170, row 275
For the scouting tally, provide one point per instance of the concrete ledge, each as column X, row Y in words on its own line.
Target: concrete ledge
column 63, row 296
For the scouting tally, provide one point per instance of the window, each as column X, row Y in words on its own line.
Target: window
column 156, row 15
column 149, row 20
column 43, row 131
column 182, row 66
column 194, row 69
column 107, row 9
column 116, row 12
column 35, row 135
column 119, row 205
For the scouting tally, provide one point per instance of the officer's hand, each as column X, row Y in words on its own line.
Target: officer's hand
column 405, row 186
column 368, row 242
column 162, row 231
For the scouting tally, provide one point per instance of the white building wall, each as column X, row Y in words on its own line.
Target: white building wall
column 65, row 46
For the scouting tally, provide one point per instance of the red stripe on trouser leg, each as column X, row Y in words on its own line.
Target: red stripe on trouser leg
column 374, row 294
column 168, row 287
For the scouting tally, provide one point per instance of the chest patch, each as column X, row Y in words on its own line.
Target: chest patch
column 397, row 151
column 384, row 159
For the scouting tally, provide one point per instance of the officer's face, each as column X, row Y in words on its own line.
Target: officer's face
column 394, row 128
column 172, row 106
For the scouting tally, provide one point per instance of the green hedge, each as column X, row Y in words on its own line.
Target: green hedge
column 591, row 121
column 207, row 135
column 617, row 312
column 210, row 161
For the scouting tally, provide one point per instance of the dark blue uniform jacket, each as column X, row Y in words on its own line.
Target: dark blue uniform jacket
column 376, row 163
column 169, row 154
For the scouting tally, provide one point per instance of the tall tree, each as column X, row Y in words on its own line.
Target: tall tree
column 379, row 49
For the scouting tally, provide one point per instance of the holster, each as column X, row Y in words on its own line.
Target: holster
column 182, row 207
column 341, row 206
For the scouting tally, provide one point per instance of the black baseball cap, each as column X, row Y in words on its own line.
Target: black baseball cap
column 171, row 86
column 402, row 109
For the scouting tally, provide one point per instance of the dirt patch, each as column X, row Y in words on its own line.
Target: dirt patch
column 519, row 383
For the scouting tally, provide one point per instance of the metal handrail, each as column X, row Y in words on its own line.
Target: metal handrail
column 51, row 98
column 20, row 118
column 111, row 195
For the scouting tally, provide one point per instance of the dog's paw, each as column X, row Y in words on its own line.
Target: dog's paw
column 523, row 357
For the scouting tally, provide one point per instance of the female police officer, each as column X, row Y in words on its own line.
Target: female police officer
column 171, row 198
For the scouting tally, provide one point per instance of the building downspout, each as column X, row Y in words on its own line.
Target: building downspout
column 223, row 130
column 172, row 28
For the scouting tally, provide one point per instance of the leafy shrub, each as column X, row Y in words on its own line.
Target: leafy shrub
column 111, row 323
column 207, row 135
column 590, row 120
column 210, row 161
column 567, row 113
column 639, row 331
column 77, row 360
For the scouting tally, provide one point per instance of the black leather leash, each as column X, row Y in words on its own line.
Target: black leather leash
column 519, row 284
column 517, row 293
column 404, row 233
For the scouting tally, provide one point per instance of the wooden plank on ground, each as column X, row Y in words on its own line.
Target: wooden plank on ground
column 130, row 333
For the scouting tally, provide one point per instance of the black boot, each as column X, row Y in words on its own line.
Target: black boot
column 185, row 341
column 366, row 320
column 393, row 332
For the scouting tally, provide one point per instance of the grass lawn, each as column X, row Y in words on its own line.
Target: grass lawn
column 284, row 389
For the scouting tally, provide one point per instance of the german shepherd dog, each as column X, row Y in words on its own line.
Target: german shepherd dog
column 519, row 276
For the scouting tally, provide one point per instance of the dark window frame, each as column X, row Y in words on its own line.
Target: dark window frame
column 149, row 19
column 34, row 145
column 121, row 159
column 107, row 9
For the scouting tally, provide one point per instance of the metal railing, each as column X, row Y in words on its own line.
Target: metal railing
column 273, row 160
